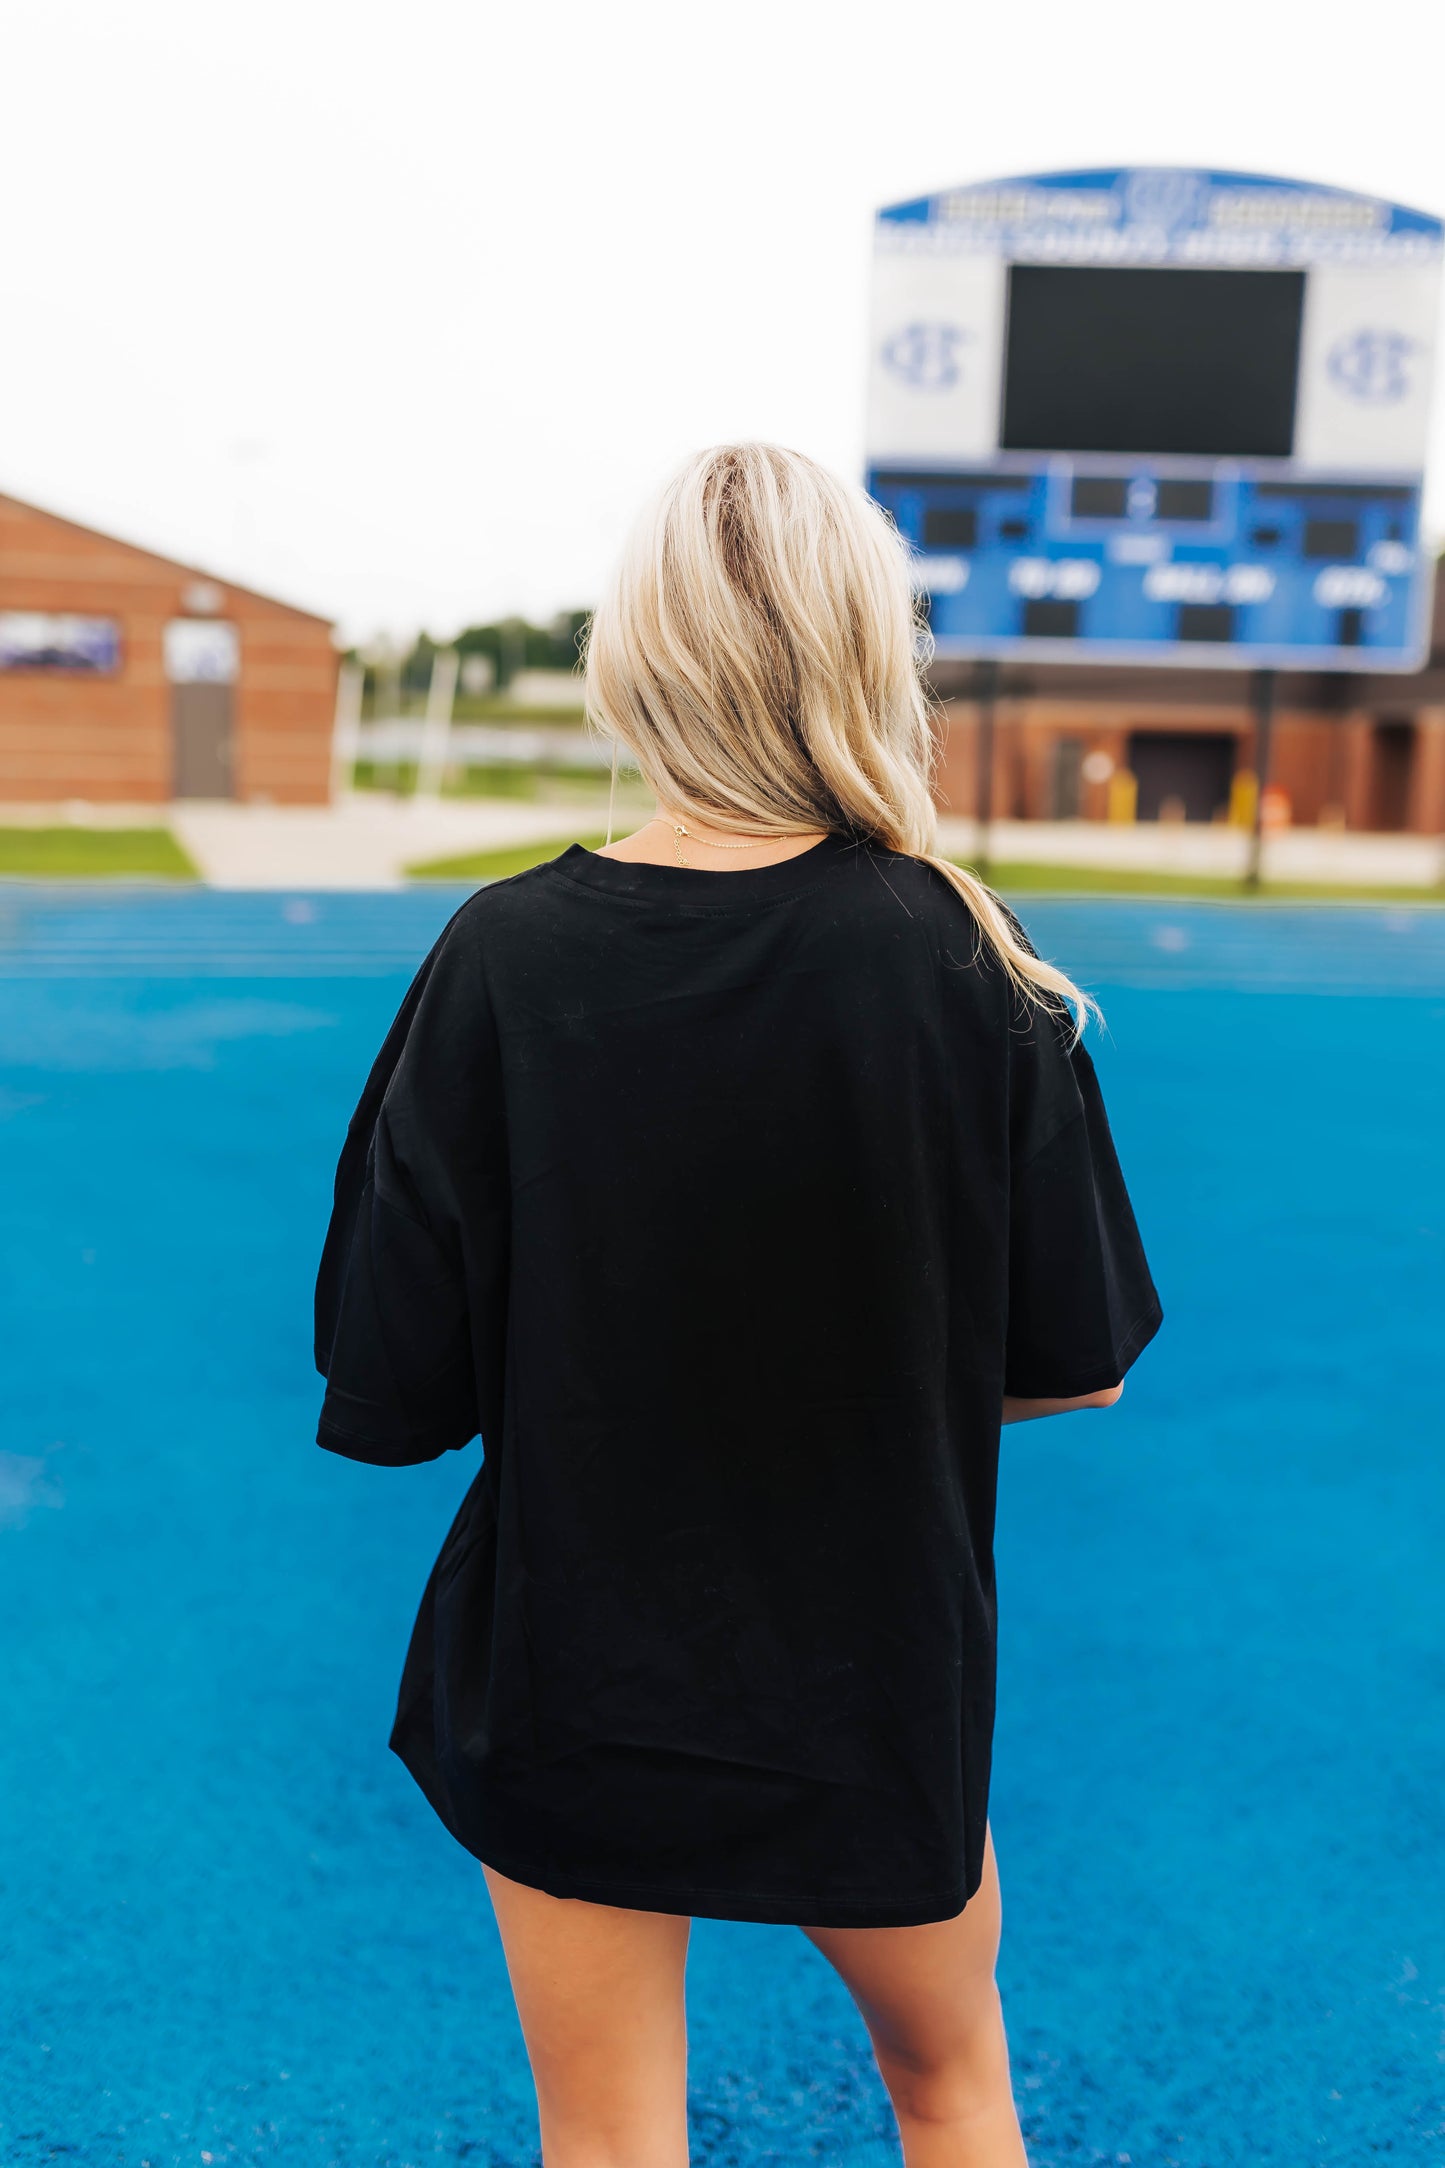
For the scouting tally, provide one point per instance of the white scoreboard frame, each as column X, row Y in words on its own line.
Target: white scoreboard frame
column 938, row 340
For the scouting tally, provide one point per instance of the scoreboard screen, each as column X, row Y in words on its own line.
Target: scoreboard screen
column 1159, row 415
column 1200, row 362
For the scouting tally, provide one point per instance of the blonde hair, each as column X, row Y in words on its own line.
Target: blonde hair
column 759, row 653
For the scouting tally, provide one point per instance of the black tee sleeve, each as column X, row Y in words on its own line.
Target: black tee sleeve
column 1082, row 1304
column 417, row 1236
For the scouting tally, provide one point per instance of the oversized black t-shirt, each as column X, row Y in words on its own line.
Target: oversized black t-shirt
column 727, row 1207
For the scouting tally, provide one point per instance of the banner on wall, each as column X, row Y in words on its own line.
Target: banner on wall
column 41, row 640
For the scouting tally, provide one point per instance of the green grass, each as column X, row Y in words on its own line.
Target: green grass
column 1010, row 879
column 495, row 708
column 504, row 779
column 90, row 853
column 1035, row 880
column 500, row 708
column 496, row 865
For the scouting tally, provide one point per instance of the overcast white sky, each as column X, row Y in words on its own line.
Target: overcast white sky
column 397, row 311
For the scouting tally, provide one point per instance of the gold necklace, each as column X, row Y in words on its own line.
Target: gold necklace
column 678, row 832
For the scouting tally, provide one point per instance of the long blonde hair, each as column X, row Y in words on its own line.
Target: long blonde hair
column 759, row 653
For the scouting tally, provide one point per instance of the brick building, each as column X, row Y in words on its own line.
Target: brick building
column 1361, row 752
column 129, row 678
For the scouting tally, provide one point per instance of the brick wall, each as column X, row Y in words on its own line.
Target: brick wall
column 1321, row 757
column 109, row 738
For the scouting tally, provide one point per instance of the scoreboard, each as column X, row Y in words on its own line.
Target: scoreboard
column 1159, row 415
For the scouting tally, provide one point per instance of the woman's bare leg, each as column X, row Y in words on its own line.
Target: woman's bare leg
column 599, row 1992
column 928, row 1998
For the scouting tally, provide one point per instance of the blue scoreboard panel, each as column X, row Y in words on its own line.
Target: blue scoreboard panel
column 1159, row 416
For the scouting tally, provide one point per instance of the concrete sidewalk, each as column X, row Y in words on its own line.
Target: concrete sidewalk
column 366, row 840
column 1217, row 852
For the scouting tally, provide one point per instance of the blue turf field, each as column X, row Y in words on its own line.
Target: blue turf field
column 232, row 1932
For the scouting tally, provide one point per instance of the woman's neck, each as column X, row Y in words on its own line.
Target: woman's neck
column 673, row 838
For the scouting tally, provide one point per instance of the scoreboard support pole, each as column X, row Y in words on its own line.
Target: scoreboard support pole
column 985, row 694
column 1261, row 701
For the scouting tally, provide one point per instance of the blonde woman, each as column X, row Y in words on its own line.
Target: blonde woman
column 736, row 1182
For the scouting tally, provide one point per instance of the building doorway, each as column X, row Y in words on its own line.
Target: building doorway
column 202, row 657
column 1066, row 779
column 1392, row 772
column 1182, row 775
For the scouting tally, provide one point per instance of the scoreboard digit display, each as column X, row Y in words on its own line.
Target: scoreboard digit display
column 1159, row 415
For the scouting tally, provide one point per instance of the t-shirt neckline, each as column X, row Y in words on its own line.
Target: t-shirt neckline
column 636, row 877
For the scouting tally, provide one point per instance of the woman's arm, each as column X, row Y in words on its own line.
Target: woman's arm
column 1024, row 1411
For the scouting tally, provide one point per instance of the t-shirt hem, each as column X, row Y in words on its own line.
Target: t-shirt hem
column 760, row 1908
column 1098, row 1377
column 408, row 1451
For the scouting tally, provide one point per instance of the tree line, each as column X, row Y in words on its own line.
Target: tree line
column 509, row 644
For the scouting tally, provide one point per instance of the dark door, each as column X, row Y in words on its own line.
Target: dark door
column 1064, row 782
column 1394, row 766
column 1181, row 774
column 201, row 735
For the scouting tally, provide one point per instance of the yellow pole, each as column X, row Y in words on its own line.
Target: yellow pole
column 1123, row 795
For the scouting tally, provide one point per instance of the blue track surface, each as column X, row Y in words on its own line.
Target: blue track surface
column 232, row 1931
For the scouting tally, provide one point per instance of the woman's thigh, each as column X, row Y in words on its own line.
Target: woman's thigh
column 600, row 1995
column 926, row 1993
